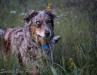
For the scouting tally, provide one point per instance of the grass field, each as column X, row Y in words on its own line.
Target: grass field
column 75, row 53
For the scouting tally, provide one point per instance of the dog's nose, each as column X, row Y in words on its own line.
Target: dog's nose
column 47, row 34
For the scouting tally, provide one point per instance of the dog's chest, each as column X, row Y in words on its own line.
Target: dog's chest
column 33, row 56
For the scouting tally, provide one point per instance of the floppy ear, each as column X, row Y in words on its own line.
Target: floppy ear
column 30, row 15
column 50, row 13
column 53, row 16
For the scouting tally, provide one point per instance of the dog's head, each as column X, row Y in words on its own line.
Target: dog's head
column 41, row 26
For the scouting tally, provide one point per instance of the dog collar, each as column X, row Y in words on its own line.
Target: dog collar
column 45, row 46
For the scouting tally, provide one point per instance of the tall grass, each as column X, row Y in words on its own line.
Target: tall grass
column 75, row 53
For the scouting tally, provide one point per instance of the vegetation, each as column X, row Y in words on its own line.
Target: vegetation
column 76, row 23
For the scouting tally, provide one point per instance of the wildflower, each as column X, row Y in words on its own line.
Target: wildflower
column 70, row 64
column 49, row 7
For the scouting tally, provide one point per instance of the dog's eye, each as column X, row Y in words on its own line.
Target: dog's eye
column 38, row 23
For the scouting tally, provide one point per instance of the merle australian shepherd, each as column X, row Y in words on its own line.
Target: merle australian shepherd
column 32, row 42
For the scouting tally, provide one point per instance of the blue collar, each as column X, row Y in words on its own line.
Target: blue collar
column 45, row 46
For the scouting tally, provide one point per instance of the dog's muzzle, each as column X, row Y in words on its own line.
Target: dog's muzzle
column 44, row 42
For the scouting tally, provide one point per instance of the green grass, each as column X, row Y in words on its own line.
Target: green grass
column 75, row 53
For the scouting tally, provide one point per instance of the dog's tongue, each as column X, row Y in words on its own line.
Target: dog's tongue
column 45, row 46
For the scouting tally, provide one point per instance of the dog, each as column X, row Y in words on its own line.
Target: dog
column 32, row 42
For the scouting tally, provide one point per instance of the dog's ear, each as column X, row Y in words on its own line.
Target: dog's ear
column 50, row 13
column 53, row 16
column 30, row 15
